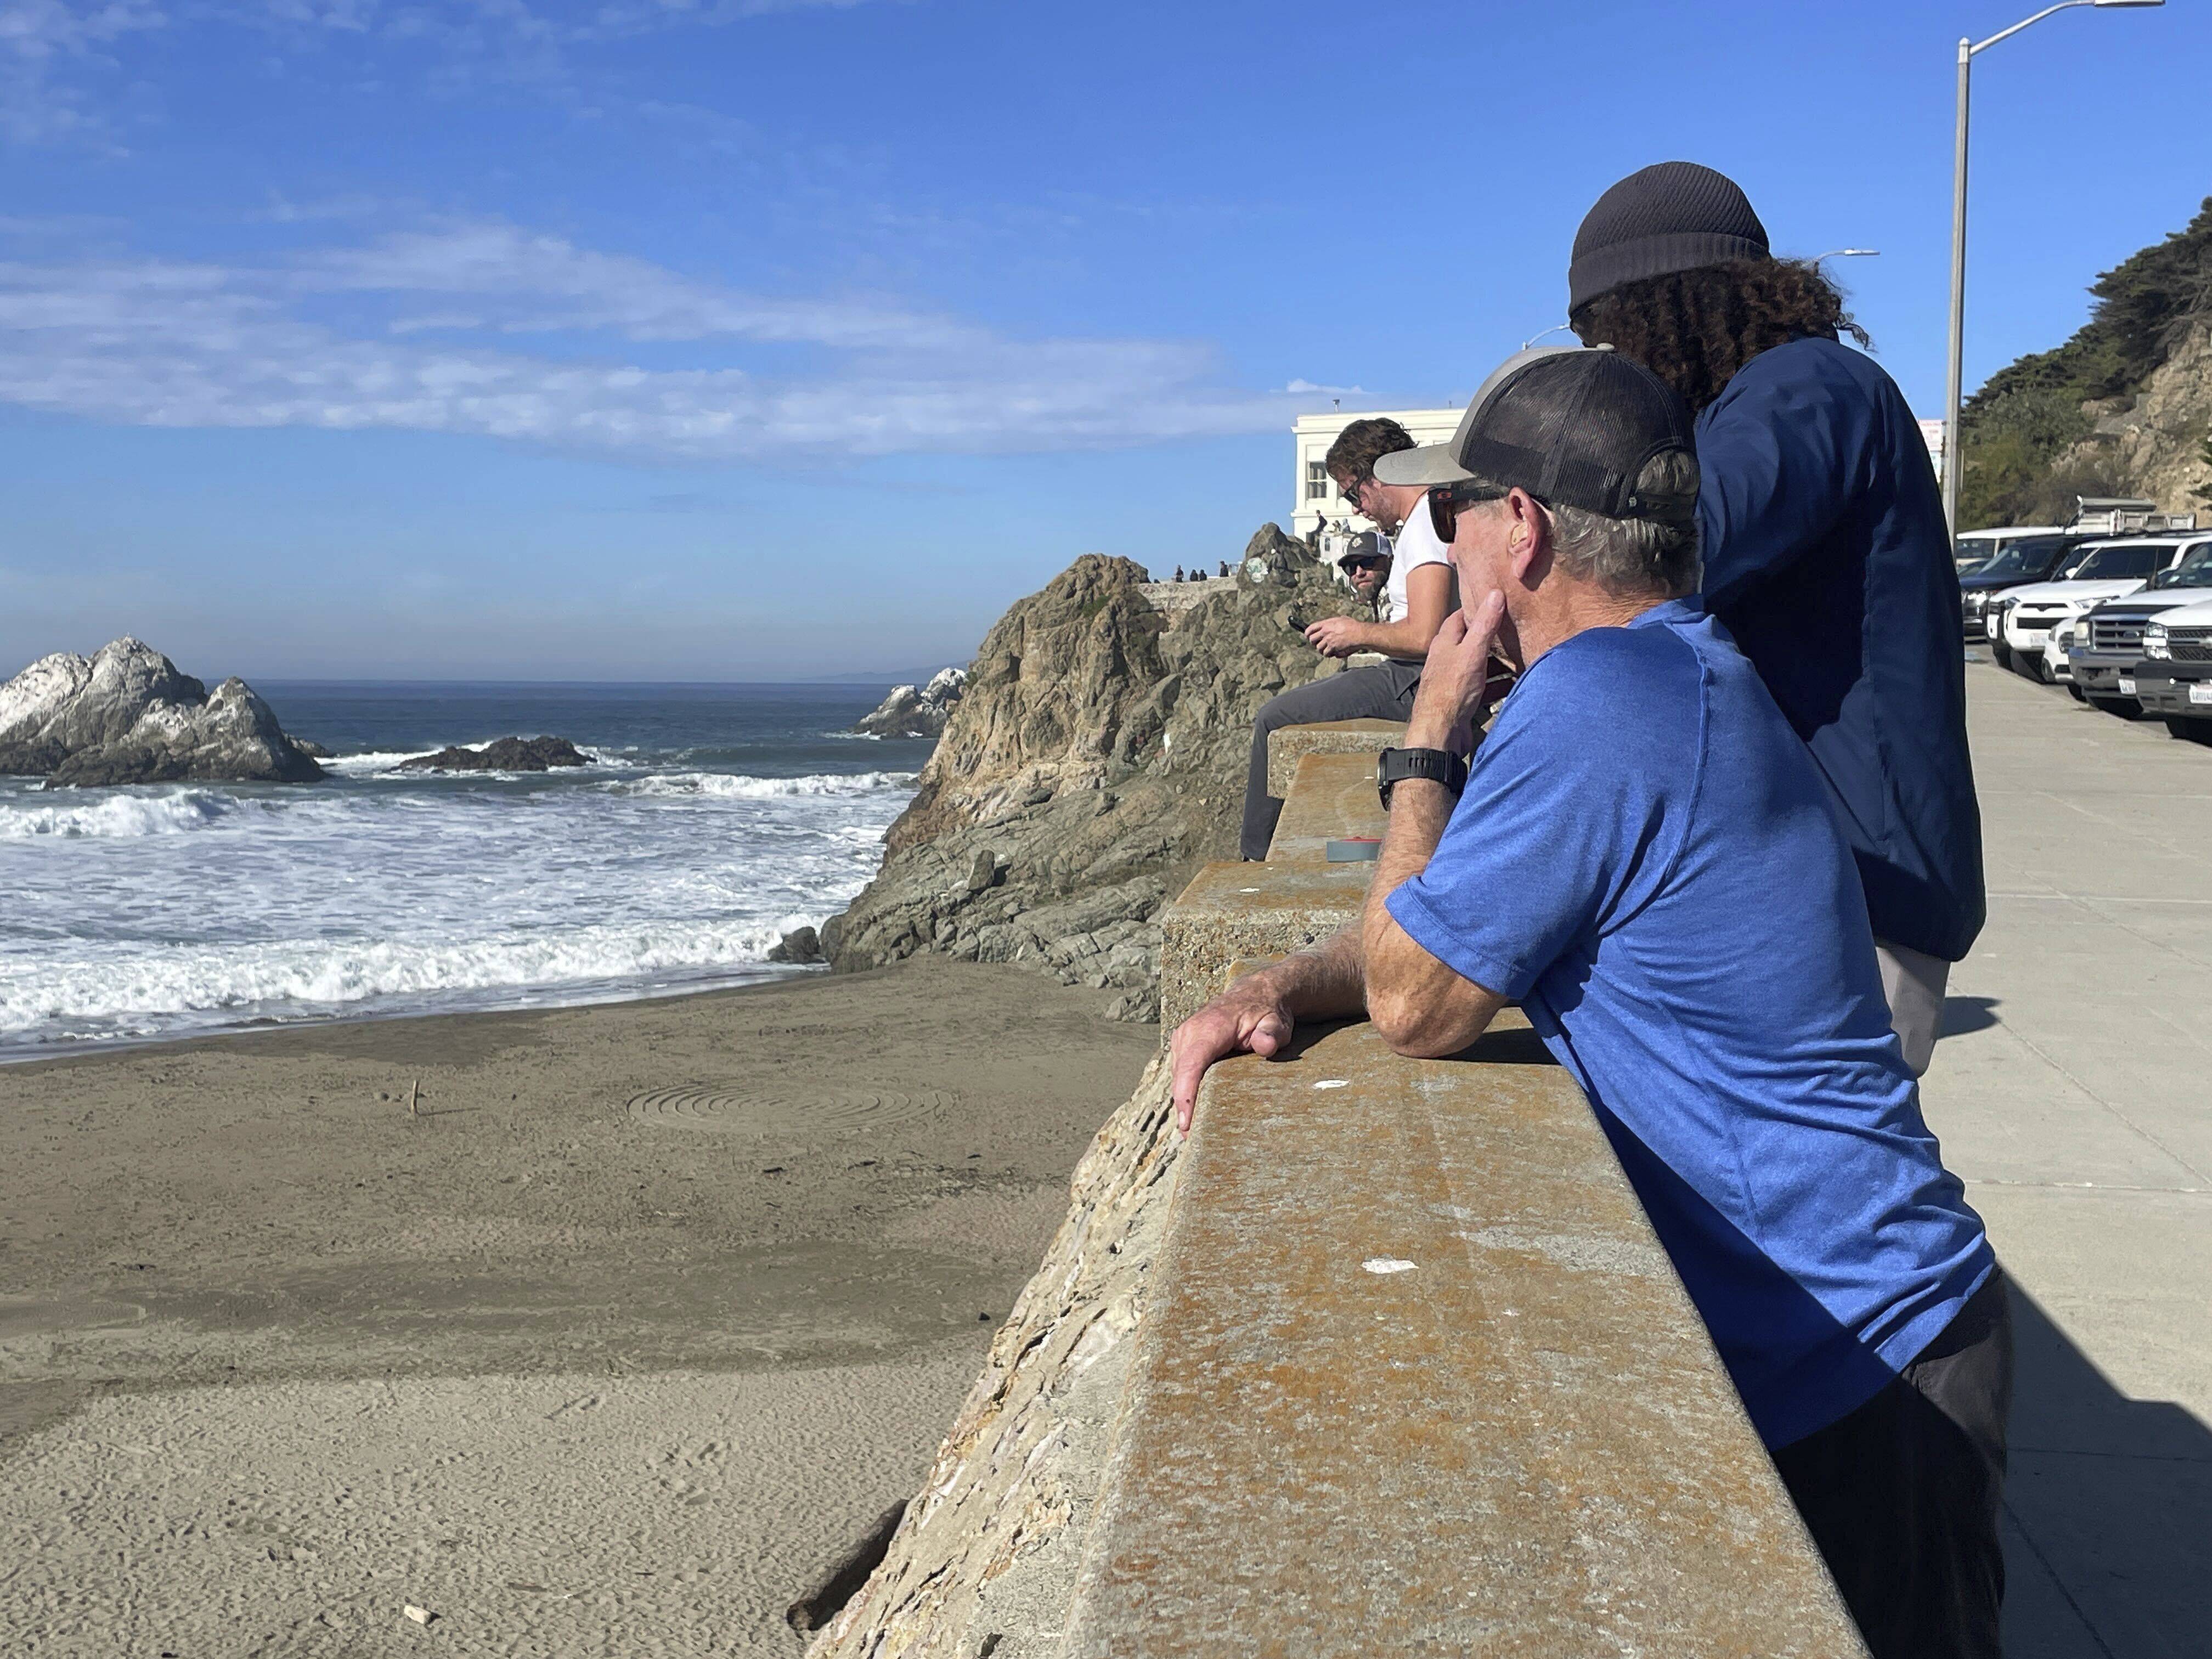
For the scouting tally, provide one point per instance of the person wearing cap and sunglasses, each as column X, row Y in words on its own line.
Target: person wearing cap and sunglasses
column 1826, row 551
column 1418, row 596
column 1644, row 855
column 1366, row 566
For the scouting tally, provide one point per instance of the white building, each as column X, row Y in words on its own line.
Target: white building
column 1317, row 498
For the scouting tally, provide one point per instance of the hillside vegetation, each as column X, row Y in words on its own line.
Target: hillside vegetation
column 2059, row 423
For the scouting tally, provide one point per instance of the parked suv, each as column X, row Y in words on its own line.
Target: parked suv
column 2107, row 641
column 2032, row 559
column 1972, row 549
column 2021, row 618
column 2174, row 679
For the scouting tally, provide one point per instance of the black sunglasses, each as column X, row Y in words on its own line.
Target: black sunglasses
column 1350, row 491
column 1446, row 500
column 1361, row 561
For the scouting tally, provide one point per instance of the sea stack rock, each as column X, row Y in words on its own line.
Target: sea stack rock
column 917, row 711
column 503, row 754
column 126, row 715
column 1095, row 759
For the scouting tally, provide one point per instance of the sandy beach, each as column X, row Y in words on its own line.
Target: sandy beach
column 638, row 1317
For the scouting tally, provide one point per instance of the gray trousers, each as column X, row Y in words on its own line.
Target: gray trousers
column 1914, row 984
column 1383, row 692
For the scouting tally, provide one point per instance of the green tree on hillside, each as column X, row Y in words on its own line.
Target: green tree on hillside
column 2028, row 412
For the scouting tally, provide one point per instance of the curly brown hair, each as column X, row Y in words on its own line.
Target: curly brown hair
column 1695, row 329
column 1351, row 459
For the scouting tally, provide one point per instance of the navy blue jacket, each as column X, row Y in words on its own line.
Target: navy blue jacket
column 1825, row 555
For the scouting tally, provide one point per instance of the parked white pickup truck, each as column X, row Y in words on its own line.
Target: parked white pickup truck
column 2103, row 647
column 2022, row 618
column 2174, row 679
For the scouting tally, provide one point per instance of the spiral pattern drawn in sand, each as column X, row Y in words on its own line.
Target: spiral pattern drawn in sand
column 797, row 1111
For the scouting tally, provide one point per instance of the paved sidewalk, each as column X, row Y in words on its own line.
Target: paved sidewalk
column 2073, row 1093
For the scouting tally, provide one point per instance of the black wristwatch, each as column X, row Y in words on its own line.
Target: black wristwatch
column 1438, row 765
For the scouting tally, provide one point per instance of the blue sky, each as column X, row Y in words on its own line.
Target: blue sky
column 679, row 339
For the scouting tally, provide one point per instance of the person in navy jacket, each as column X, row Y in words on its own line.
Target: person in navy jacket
column 1826, row 552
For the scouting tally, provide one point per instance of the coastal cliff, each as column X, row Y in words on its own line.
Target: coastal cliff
column 126, row 714
column 1097, row 756
column 2121, row 408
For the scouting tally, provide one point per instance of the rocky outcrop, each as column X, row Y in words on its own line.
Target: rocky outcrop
column 1097, row 757
column 985, row 1554
column 502, row 754
column 2157, row 437
column 126, row 715
column 912, row 711
column 800, row 946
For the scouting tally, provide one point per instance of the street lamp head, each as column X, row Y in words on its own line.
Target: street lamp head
column 1847, row 253
column 2127, row 2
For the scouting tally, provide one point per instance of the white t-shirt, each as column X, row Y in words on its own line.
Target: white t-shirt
column 1415, row 544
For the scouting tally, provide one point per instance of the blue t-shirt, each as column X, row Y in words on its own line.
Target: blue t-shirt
column 1826, row 556
column 1647, row 859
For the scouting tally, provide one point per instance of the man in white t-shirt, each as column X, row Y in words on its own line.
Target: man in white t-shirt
column 1419, row 596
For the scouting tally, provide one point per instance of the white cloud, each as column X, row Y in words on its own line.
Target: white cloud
column 529, row 284
column 40, row 41
column 199, row 344
column 56, row 55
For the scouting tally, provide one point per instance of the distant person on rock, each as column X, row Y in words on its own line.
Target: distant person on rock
column 1826, row 552
column 1646, row 857
column 1418, row 595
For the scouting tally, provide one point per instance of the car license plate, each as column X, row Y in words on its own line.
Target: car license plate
column 2031, row 637
column 2201, row 692
column 2127, row 686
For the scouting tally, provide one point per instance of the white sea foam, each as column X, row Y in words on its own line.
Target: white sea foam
column 115, row 816
column 378, row 895
column 312, row 977
column 736, row 786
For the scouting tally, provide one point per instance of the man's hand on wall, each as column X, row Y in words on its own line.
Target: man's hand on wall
column 1251, row 1015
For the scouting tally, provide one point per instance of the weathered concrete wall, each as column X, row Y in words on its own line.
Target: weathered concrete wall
column 1290, row 745
column 990, row 1545
column 1385, row 1359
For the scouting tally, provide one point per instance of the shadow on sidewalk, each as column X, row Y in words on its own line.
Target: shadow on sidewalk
column 1964, row 1014
column 2108, row 1501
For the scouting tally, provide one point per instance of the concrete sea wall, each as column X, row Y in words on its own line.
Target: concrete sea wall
column 1384, row 1357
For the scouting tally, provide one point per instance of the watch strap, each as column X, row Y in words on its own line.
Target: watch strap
column 1394, row 766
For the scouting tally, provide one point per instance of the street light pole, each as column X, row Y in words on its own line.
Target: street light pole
column 1957, row 371
column 1953, row 388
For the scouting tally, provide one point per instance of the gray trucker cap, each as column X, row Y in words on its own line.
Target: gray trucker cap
column 1574, row 426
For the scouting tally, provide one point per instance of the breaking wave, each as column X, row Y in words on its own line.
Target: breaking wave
column 310, row 979
column 118, row 816
column 142, row 913
column 738, row 787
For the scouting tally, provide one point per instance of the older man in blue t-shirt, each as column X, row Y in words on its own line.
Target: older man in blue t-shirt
column 1646, row 858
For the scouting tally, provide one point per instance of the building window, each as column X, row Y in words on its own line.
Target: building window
column 1316, row 482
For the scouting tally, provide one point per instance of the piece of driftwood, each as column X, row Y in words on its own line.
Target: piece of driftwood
column 843, row 1577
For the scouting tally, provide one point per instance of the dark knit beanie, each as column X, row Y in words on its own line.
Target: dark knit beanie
column 1675, row 217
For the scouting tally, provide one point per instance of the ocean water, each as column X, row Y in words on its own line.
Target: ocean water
column 714, row 819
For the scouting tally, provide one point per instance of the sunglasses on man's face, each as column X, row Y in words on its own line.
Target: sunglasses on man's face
column 1446, row 504
column 1360, row 562
column 1350, row 491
